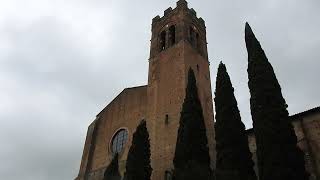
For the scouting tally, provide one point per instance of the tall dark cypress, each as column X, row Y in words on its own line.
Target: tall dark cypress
column 192, row 160
column 233, row 154
column 112, row 171
column 138, row 162
column 279, row 157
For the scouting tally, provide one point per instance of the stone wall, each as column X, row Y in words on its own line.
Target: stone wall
column 307, row 129
column 125, row 111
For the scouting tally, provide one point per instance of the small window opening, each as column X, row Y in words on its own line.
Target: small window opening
column 166, row 119
column 162, row 40
column 192, row 36
column 172, row 35
column 199, row 46
column 197, row 40
column 198, row 68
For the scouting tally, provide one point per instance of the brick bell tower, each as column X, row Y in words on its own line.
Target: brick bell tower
column 178, row 43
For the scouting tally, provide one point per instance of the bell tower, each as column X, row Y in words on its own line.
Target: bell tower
column 178, row 43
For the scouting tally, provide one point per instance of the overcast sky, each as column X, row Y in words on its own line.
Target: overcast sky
column 62, row 61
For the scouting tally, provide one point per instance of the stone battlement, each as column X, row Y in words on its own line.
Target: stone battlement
column 182, row 5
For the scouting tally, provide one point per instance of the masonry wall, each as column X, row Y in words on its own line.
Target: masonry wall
column 310, row 129
column 165, row 97
column 201, row 69
column 168, row 74
column 307, row 129
column 125, row 111
column 166, row 92
column 87, row 150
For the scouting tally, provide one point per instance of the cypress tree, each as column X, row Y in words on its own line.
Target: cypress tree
column 138, row 162
column 233, row 154
column 192, row 160
column 279, row 157
column 112, row 171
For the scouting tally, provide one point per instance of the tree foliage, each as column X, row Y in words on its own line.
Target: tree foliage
column 233, row 154
column 112, row 171
column 192, row 160
column 138, row 162
column 279, row 157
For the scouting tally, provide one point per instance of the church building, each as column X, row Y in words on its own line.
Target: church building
column 178, row 43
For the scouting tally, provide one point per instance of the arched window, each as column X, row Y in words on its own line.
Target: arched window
column 162, row 42
column 119, row 141
column 172, row 35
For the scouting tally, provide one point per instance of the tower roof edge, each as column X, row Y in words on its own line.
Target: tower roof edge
column 182, row 3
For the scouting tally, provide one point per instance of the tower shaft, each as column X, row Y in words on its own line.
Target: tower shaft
column 178, row 43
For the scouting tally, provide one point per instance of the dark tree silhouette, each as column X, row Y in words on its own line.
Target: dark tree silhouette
column 138, row 162
column 192, row 160
column 233, row 154
column 279, row 157
column 112, row 171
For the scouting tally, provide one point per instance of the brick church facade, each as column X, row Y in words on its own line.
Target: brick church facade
column 178, row 43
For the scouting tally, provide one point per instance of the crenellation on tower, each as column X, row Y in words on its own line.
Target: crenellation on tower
column 202, row 21
column 193, row 12
column 178, row 24
column 156, row 19
column 167, row 11
column 182, row 4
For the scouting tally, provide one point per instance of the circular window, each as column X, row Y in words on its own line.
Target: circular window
column 119, row 140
